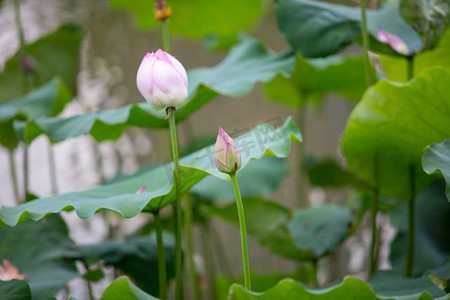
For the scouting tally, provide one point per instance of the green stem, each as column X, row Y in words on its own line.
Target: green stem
column 411, row 203
column 25, row 88
column 25, row 170
column 99, row 163
column 315, row 263
column 209, row 258
column 178, row 212
column 373, row 260
column 165, row 35
column 376, row 198
column 19, row 23
column 12, row 168
column 88, row 283
column 410, row 66
column 365, row 40
column 240, row 208
column 301, row 183
column 411, row 224
column 215, row 239
column 190, row 249
column 161, row 258
column 52, row 166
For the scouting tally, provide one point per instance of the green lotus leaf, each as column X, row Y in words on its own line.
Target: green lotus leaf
column 262, row 140
column 388, row 130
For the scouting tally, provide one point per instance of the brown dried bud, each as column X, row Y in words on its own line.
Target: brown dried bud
column 162, row 10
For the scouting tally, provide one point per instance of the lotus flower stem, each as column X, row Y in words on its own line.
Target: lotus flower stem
column 161, row 258
column 410, row 66
column 12, row 168
column 373, row 255
column 209, row 258
column 178, row 212
column 240, row 208
column 18, row 23
column 376, row 200
column 25, row 89
column 190, row 249
column 165, row 35
column 365, row 40
column 411, row 224
column 411, row 203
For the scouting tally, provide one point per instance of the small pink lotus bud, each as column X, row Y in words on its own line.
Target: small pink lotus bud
column 141, row 190
column 394, row 41
column 226, row 154
column 162, row 80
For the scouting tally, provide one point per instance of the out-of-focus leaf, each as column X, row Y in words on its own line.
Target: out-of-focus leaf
column 245, row 65
column 396, row 67
column 46, row 101
column 266, row 223
column 388, row 130
column 94, row 275
column 137, row 257
column 260, row 282
column 260, row 178
column 389, row 284
column 219, row 20
column 429, row 18
column 42, row 252
column 320, row 229
column 15, row 289
column 312, row 78
column 352, row 288
column 432, row 241
column 307, row 235
column 317, row 29
column 437, row 159
column 56, row 54
column 328, row 173
column 123, row 288
column 122, row 198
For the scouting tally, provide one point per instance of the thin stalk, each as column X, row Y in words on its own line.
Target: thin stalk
column 209, row 258
column 25, row 88
column 165, row 35
column 373, row 255
column 411, row 203
column 365, row 40
column 411, row 224
column 88, row 283
column 376, row 199
column 19, row 23
column 315, row 283
column 410, row 67
column 176, row 171
column 161, row 258
column 99, row 163
column 25, row 170
column 178, row 212
column 219, row 249
column 190, row 249
column 301, row 183
column 52, row 166
column 12, row 168
column 240, row 208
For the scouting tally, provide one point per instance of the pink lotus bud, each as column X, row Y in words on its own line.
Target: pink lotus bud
column 141, row 190
column 162, row 80
column 394, row 41
column 226, row 154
